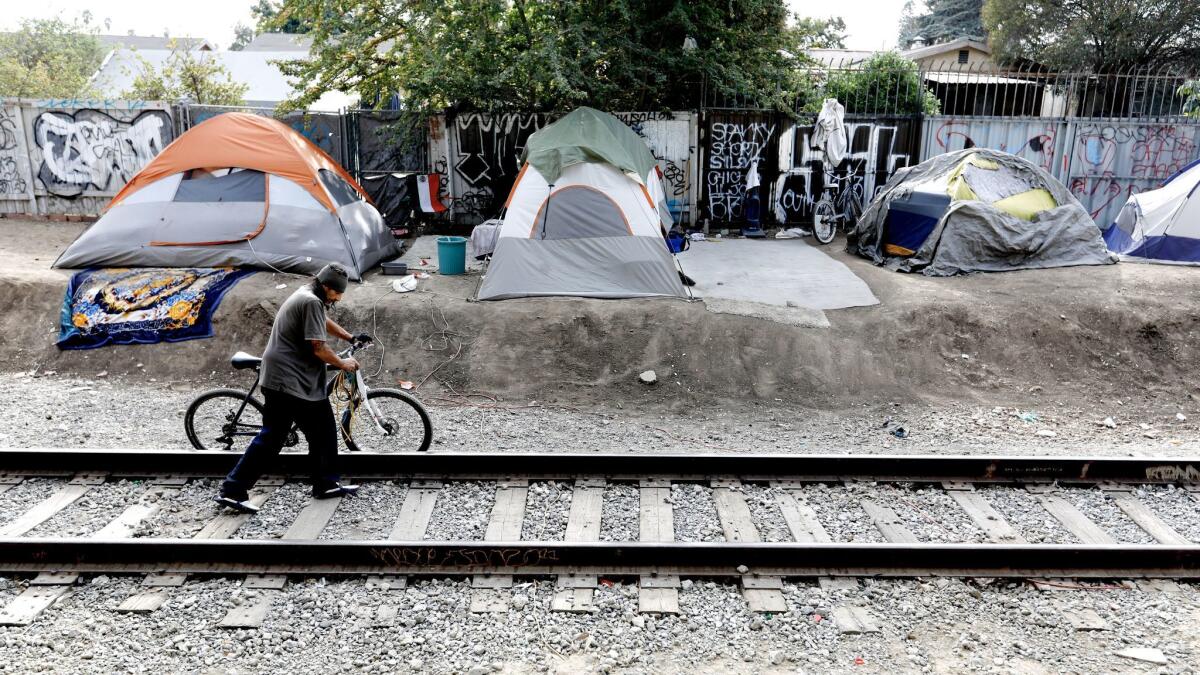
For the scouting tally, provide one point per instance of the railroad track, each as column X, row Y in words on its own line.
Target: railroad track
column 580, row 559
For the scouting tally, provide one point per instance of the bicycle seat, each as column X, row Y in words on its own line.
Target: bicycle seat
column 242, row 360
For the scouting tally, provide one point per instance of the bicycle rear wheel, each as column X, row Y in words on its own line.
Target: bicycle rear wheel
column 210, row 424
column 405, row 424
column 824, row 222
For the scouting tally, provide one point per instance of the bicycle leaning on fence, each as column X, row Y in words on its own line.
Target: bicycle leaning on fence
column 840, row 204
column 387, row 420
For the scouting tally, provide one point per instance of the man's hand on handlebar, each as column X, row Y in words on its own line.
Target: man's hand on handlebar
column 362, row 339
column 349, row 365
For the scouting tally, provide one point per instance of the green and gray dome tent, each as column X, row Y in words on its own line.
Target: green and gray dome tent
column 584, row 217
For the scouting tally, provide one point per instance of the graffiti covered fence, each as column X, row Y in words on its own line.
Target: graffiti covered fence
column 71, row 156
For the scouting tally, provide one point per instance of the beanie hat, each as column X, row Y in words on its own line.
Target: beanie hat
column 334, row 277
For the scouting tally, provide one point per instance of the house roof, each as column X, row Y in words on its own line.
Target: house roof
column 953, row 46
column 267, row 85
column 279, row 42
column 154, row 42
column 840, row 57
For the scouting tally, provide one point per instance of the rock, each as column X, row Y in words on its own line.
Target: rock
column 1109, row 422
column 479, row 670
column 1180, row 417
column 756, row 623
column 638, row 621
column 1046, row 433
column 479, row 650
column 1147, row 654
column 648, row 377
column 775, row 657
column 415, row 664
column 742, row 569
column 519, row 601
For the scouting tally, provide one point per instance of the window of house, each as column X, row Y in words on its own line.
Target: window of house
column 963, row 55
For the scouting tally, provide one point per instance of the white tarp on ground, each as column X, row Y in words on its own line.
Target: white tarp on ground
column 786, row 273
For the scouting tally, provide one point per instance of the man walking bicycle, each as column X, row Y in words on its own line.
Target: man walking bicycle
column 294, row 391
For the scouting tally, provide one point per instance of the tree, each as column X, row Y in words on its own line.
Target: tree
column 242, row 36
column 1104, row 36
column 195, row 76
column 50, row 58
column 821, row 33
column 553, row 54
column 945, row 21
column 887, row 83
column 1190, row 92
column 275, row 17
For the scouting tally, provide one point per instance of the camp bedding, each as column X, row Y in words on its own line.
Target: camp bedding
column 142, row 306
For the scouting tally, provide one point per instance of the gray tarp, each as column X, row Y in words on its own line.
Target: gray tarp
column 974, row 236
column 595, row 267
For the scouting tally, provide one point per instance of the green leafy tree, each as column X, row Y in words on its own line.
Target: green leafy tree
column 195, row 76
column 1190, row 92
column 242, row 36
column 275, row 17
column 821, row 33
column 50, row 58
column 553, row 54
column 887, row 83
column 1103, row 36
column 945, row 21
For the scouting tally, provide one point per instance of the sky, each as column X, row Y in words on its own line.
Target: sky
column 872, row 24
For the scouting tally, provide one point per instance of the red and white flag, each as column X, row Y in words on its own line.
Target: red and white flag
column 427, row 192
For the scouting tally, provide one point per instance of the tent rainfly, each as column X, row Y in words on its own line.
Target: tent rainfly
column 238, row 190
column 584, row 217
column 976, row 210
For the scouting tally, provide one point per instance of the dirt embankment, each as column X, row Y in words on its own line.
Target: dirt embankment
column 1098, row 331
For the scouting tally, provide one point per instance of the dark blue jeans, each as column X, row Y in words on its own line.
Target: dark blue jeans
column 315, row 419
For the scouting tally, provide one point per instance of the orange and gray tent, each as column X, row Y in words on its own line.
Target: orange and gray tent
column 238, row 190
column 584, row 217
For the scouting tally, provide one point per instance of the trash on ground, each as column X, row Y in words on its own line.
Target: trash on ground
column 1108, row 422
column 1046, row 433
column 1147, row 654
column 1027, row 416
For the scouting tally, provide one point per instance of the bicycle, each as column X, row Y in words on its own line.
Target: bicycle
column 222, row 418
column 842, row 208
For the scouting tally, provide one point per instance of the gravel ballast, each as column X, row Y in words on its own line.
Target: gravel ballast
column 695, row 513
column 1028, row 517
column 620, row 516
column 370, row 514
column 764, row 509
column 92, row 511
column 839, row 511
column 462, row 511
column 547, row 507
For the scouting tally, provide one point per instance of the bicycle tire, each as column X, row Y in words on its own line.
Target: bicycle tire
column 235, row 396
column 363, row 425
column 824, row 225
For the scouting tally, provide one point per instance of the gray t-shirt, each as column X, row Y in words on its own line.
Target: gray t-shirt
column 288, row 364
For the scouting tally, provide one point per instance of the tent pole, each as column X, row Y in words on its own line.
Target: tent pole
column 546, row 213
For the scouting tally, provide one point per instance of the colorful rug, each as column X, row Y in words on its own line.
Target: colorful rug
column 142, row 306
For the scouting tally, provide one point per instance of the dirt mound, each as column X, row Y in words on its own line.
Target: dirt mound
column 1087, row 331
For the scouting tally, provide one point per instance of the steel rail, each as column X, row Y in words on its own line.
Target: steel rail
column 627, row 466
column 327, row 557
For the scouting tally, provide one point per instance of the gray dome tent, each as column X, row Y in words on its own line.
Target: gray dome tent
column 976, row 210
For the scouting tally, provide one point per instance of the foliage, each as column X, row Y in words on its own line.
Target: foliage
column 50, row 58
column 1105, row 36
column 1190, row 91
column 242, row 36
column 821, row 33
column 274, row 17
column 554, row 54
column 945, row 21
column 887, row 83
column 195, row 76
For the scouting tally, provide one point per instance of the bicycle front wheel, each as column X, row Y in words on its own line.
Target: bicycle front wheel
column 824, row 222
column 403, row 425
column 212, row 421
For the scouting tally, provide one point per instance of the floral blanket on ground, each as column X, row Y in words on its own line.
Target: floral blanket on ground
column 142, row 306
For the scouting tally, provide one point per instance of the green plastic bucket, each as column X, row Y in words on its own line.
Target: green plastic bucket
column 452, row 255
